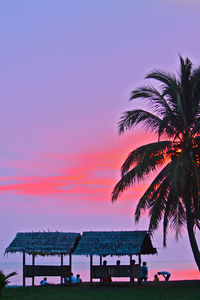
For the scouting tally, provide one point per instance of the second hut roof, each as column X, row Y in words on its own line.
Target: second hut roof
column 115, row 243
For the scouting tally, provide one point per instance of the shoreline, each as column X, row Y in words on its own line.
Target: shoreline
column 113, row 284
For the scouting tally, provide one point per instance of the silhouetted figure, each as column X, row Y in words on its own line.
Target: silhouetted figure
column 165, row 274
column 144, row 271
column 78, row 279
column 156, row 279
column 118, row 262
column 106, row 279
column 133, row 262
column 43, row 281
column 72, row 278
column 105, row 263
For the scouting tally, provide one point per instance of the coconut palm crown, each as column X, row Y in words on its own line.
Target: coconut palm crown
column 4, row 280
column 173, row 113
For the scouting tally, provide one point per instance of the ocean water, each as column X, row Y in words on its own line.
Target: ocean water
column 81, row 265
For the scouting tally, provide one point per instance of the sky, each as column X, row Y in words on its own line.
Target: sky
column 67, row 69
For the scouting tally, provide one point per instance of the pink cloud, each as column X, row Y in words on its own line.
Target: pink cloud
column 79, row 179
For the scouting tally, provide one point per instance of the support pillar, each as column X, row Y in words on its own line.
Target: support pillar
column 61, row 261
column 91, row 269
column 24, row 261
column 33, row 264
column 70, row 264
column 131, row 277
column 101, row 279
column 131, row 258
column 139, row 262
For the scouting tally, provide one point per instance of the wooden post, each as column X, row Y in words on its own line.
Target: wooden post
column 91, row 269
column 24, row 261
column 61, row 278
column 70, row 264
column 101, row 279
column 139, row 261
column 33, row 264
column 131, row 278
column 130, row 259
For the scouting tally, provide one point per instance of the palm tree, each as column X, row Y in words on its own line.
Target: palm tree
column 173, row 113
column 4, row 279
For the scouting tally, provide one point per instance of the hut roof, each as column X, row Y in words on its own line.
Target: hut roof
column 115, row 243
column 44, row 243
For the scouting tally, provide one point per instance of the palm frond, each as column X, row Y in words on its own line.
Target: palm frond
column 158, row 205
column 178, row 219
column 144, row 153
column 153, row 98
column 129, row 119
column 151, row 193
column 167, row 214
column 10, row 275
column 125, row 182
column 165, row 78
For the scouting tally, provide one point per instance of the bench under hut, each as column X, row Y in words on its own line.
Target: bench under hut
column 115, row 243
column 45, row 244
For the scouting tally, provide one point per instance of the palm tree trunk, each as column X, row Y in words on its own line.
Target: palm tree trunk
column 190, row 229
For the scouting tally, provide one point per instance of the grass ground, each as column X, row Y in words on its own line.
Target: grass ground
column 183, row 290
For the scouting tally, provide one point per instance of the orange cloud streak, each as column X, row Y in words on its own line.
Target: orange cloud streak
column 90, row 175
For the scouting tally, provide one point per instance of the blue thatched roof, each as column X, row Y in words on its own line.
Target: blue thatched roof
column 44, row 243
column 115, row 243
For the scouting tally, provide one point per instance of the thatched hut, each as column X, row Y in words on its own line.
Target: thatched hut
column 103, row 243
column 45, row 244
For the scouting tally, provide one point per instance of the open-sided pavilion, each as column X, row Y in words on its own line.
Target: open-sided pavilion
column 115, row 243
column 45, row 244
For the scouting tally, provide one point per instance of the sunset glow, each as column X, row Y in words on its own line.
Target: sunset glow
column 67, row 72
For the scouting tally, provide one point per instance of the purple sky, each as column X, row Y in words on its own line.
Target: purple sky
column 66, row 72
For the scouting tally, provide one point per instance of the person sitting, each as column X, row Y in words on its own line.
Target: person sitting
column 156, row 278
column 78, row 279
column 118, row 262
column 107, row 279
column 133, row 262
column 144, row 271
column 71, row 279
column 105, row 263
column 43, row 281
column 165, row 274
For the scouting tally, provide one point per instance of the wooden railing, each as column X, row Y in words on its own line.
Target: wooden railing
column 38, row 270
column 115, row 271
